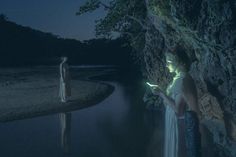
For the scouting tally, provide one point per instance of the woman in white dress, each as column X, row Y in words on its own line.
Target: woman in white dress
column 180, row 98
column 65, row 89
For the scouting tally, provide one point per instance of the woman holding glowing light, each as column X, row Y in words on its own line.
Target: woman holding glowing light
column 182, row 137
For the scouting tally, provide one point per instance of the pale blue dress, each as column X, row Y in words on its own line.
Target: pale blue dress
column 171, row 146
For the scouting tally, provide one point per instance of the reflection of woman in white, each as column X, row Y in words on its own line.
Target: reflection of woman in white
column 65, row 89
column 182, row 135
column 65, row 121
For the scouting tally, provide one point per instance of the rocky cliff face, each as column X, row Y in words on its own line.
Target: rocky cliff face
column 207, row 31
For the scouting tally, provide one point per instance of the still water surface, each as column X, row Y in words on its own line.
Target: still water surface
column 119, row 126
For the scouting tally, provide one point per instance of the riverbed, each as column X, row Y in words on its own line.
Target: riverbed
column 118, row 126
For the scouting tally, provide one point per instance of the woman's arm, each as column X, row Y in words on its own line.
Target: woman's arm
column 174, row 104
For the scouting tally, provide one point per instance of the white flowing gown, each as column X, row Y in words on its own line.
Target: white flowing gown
column 171, row 133
column 65, row 89
column 171, row 147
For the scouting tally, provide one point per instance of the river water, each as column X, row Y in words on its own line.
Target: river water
column 119, row 126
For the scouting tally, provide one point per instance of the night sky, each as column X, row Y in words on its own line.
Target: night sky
column 54, row 16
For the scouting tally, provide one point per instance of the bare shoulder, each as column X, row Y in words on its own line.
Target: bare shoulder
column 188, row 83
column 190, row 92
column 188, row 87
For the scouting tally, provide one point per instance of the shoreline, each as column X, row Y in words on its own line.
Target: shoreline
column 36, row 94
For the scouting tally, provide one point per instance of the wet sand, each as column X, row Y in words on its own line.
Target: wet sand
column 31, row 92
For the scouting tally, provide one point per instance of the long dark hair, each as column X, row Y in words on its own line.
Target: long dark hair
column 180, row 56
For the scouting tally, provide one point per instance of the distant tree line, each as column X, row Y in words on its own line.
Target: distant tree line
column 23, row 46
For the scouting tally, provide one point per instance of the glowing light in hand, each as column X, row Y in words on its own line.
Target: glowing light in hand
column 151, row 85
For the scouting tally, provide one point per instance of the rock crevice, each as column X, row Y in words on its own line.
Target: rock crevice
column 207, row 32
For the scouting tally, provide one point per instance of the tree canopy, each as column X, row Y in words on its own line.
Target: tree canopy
column 123, row 16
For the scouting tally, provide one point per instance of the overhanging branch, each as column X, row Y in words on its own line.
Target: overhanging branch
column 138, row 21
column 107, row 7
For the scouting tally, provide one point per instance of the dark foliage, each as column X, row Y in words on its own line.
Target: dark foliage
column 23, row 46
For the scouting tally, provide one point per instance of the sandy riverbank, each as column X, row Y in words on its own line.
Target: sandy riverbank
column 26, row 93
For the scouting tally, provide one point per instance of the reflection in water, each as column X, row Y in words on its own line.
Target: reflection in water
column 119, row 126
column 65, row 122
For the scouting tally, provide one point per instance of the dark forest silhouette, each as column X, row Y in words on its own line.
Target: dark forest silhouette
column 24, row 46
